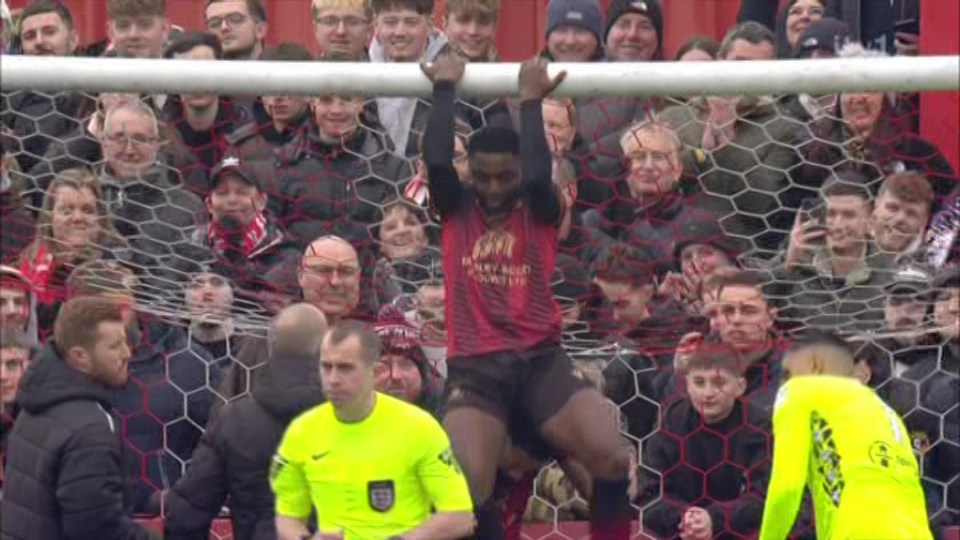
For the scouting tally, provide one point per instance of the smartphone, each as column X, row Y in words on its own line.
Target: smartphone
column 811, row 209
column 907, row 26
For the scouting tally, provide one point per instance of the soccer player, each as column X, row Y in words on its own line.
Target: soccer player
column 371, row 465
column 499, row 245
column 853, row 452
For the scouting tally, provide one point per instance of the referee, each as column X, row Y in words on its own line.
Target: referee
column 373, row 467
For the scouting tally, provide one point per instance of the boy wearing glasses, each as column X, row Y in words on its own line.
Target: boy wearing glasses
column 241, row 26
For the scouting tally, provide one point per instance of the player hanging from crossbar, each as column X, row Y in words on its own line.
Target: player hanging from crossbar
column 499, row 245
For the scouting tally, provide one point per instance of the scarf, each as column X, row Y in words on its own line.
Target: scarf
column 223, row 239
column 40, row 273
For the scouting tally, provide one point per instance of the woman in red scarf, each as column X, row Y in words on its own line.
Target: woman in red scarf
column 73, row 228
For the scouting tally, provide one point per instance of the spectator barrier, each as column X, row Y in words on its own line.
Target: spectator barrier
column 784, row 171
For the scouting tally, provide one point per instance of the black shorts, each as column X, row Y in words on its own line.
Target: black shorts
column 523, row 390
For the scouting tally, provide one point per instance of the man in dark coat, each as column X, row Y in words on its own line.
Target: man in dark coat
column 234, row 455
column 64, row 473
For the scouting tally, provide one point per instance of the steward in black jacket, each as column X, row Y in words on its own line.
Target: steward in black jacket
column 234, row 455
column 64, row 471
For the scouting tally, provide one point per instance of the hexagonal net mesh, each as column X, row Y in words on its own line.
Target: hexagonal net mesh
column 695, row 226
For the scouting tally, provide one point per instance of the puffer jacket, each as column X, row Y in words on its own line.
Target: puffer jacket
column 234, row 455
column 65, row 477
column 163, row 407
column 722, row 468
column 256, row 141
column 324, row 189
column 158, row 218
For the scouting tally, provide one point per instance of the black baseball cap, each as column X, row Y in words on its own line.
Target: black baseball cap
column 233, row 166
column 911, row 280
column 826, row 34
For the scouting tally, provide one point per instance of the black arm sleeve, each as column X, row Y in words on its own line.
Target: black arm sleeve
column 446, row 191
column 196, row 498
column 539, row 193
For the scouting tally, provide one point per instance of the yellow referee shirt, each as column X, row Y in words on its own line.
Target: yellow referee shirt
column 372, row 479
column 853, row 453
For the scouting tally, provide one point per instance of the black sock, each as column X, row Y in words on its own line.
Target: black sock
column 610, row 511
column 489, row 521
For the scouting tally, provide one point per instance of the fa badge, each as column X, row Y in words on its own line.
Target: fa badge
column 381, row 495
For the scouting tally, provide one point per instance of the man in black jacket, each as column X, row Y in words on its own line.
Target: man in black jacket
column 64, row 473
column 234, row 455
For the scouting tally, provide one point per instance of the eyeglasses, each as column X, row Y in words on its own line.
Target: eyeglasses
column 659, row 159
column 233, row 20
column 327, row 272
column 138, row 141
column 348, row 22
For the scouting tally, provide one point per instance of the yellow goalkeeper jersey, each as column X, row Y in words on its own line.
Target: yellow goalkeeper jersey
column 852, row 451
column 376, row 478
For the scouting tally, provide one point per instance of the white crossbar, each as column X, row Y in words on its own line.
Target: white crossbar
column 587, row 79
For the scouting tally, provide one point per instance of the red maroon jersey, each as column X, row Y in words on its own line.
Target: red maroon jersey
column 497, row 282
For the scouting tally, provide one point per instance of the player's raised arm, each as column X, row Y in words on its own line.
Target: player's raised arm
column 539, row 192
column 791, row 455
column 446, row 191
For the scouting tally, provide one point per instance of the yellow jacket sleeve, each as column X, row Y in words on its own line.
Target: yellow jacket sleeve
column 287, row 478
column 791, row 455
column 440, row 474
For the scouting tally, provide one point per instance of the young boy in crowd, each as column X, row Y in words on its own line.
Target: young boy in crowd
column 711, row 454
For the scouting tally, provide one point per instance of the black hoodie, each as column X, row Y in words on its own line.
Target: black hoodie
column 234, row 455
column 64, row 472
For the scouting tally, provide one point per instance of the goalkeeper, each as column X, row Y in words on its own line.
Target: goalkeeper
column 852, row 451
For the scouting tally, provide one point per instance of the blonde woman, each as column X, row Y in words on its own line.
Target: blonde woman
column 73, row 228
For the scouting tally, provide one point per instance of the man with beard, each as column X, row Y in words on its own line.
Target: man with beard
column 499, row 251
column 171, row 390
column 64, row 473
column 33, row 118
column 209, row 298
column 403, row 370
column 241, row 26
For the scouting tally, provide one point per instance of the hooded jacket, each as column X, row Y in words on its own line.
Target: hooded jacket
column 405, row 119
column 234, row 455
column 64, row 474
column 723, row 468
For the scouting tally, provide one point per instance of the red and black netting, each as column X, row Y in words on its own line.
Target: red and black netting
column 682, row 237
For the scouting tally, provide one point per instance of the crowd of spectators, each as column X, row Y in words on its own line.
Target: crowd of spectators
column 703, row 233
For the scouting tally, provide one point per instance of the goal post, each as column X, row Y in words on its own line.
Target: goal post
column 898, row 74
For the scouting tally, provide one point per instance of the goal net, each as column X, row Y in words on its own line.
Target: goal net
column 699, row 224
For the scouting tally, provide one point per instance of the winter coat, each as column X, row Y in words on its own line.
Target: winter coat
column 809, row 297
column 323, row 189
column 723, row 468
column 65, row 477
column 164, row 407
column 158, row 219
column 257, row 140
column 207, row 146
column 233, row 458
column 890, row 149
column 872, row 23
column 272, row 264
column 741, row 180
column 36, row 120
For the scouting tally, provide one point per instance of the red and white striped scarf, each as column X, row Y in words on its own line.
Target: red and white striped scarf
column 252, row 235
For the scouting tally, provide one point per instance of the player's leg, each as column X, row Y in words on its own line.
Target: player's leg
column 478, row 396
column 578, row 422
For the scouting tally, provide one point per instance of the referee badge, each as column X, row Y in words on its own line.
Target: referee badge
column 381, row 495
